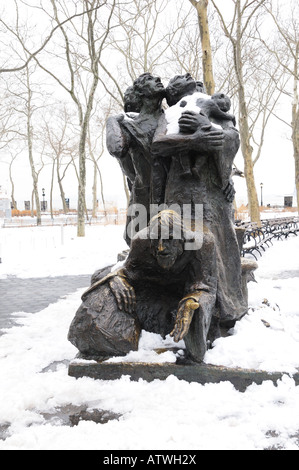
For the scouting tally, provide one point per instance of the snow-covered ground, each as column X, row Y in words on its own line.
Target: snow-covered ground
column 170, row 414
column 57, row 251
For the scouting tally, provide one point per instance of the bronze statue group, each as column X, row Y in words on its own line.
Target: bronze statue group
column 167, row 285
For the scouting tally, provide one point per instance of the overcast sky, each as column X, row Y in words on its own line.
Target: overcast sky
column 275, row 170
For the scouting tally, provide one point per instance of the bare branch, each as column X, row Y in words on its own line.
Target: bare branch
column 34, row 54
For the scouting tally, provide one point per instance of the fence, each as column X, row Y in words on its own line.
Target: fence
column 110, row 217
column 252, row 238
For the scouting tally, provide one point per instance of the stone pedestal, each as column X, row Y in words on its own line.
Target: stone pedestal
column 200, row 373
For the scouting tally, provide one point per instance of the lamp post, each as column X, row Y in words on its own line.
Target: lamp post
column 43, row 193
column 261, row 193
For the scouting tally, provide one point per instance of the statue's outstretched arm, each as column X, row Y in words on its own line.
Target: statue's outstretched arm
column 117, row 140
column 200, row 290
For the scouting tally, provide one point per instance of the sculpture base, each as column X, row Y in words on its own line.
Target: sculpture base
column 200, row 373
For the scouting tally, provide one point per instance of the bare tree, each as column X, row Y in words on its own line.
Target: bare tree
column 28, row 101
column 262, row 102
column 185, row 52
column 91, row 36
column 96, row 148
column 7, row 116
column 12, row 155
column 61, row 142
column 201, row 7
column 285, row 51
column 264, row 84
column 238, row 31
column 13, row 30
column 13, row 200
column 37, row 171
column 142, row 43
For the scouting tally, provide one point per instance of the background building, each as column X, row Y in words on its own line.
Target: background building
column 5, row 206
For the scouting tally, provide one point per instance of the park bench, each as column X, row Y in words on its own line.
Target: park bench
column 257, row 239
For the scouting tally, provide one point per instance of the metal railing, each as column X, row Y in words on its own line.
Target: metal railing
column 46, row 221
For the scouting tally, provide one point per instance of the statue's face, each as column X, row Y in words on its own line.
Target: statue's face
column 223, row 101
column 132, row 103
column 152, row 86
column 183, row 84
column 200, row 87
column 167, row 251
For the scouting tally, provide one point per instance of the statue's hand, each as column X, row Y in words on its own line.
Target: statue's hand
column 190, row 121
column 229, row 192
column 210, row 141
column 183, row 319
column 120, row 117
column 124, row 294
column 233, row 119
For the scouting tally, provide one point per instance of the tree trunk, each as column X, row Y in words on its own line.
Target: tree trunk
column 207, row 61
column 13, row 201
column 82, row 175
column 81, row 196
column 94, row 191
column 101, row 184
column 247, row 150
column 62, row 193
column 34, row 175
column 295, row 138
column 82, row 159
column 245, row 136
column 30, row 154
column 51, row 190
column 295, row 124
column 102, row 189
column 32, row 204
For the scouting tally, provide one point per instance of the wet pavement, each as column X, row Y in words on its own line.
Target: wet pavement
column 34, row 294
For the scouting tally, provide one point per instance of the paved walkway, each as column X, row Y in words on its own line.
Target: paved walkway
column 35, row 294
